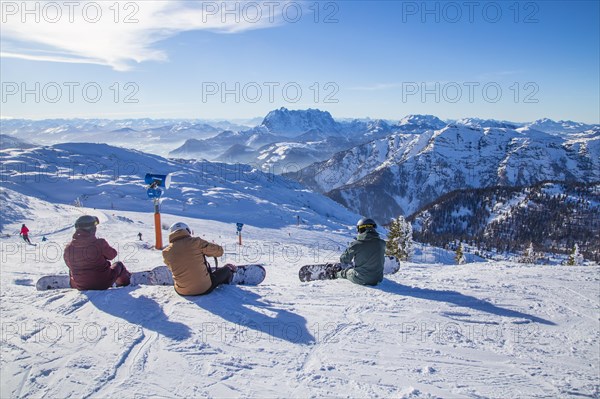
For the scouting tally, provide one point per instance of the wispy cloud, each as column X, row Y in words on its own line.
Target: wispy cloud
column 118, row 34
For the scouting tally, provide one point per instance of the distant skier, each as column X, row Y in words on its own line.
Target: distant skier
column 140, row 236
column 186, row 257
column 368, row 254
column 25, row 234
column 88, row 259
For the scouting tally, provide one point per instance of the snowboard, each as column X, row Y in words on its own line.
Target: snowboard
column 160, row 275
column 326, row 271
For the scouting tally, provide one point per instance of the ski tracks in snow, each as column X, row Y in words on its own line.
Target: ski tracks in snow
column 467, row 331
column 346, row 340
column 131, row 362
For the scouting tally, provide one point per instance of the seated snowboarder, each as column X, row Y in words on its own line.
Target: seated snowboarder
column 368, row 254
column 88, row 259
column 186, row 257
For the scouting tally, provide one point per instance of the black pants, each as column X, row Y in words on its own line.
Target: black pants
column 217, row 277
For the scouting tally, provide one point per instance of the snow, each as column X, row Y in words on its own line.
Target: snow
column 462, row 211
column 432, row 330
column 104, row 176
column 502, row 211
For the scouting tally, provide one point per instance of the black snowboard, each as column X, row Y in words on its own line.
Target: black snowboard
column 327, row 271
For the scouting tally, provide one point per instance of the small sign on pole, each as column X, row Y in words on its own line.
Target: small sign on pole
column 154, row 191
column 239, row 232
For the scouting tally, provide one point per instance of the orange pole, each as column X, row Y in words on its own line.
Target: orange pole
column 158, row 232
column 157, row 227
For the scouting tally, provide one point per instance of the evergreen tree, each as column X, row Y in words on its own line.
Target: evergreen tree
column 407, row 243
column 529, row 256
column 575, row 258
column 400, row 243
column 391, row 245
column 460, row 255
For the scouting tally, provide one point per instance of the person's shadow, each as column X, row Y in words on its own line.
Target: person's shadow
column 251, row 318
column 138, row 311
column 456, row 298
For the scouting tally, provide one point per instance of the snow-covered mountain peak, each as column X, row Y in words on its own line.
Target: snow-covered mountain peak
column 560, row 127
column 378, row 125
column 483, row 123
column 421, row 121
column 295, row 122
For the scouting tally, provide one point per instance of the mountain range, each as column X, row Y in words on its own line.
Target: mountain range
column 288, row 140
column 377, row 167
column 156, row 136
column 402, row 172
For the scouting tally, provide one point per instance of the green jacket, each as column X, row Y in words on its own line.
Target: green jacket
column 368, row 254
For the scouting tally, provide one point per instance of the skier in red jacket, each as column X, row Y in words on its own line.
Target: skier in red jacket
column 88, row 259
column 25, row 234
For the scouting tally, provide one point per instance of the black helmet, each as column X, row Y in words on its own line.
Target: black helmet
column 86, row 222
column 365, row 224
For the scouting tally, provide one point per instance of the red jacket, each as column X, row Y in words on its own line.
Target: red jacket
column 24, row 231
column 88, row 259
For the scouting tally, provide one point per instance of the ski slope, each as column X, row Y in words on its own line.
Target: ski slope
column 494, row 330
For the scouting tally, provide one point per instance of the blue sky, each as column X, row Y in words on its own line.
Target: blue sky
column 510, row 60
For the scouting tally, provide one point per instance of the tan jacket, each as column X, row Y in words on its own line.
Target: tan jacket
column 185, row 256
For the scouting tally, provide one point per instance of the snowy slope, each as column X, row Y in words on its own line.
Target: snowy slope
column 347, row 167
column 106, row 177
column 493, row 330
